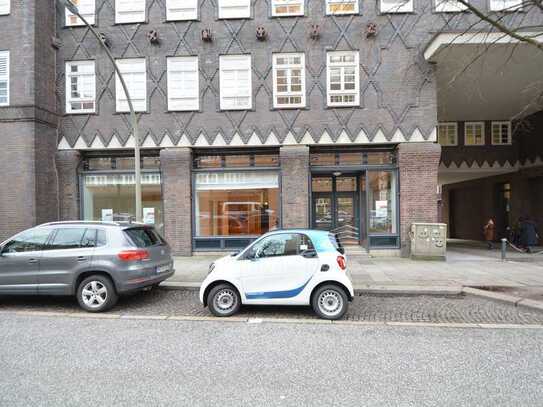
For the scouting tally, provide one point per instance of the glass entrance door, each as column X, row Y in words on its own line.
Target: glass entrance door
column 335, row 206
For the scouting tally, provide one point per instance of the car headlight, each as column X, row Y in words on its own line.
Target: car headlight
column 211, row 268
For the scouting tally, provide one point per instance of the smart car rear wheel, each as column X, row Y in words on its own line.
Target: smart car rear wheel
column 330, row 302
column 96, row 293
column 223, row 300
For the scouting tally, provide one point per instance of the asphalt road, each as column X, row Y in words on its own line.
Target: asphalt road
column 96, row 362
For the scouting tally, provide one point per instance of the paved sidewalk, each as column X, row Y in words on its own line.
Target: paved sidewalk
column 467, row 264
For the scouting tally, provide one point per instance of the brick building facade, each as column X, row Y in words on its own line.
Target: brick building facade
column 252, row 115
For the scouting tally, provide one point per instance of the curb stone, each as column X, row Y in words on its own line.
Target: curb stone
column 510, row 299
column 359, row 289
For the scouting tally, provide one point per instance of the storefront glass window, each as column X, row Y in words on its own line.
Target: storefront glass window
column 110, row 197
column 382, row 202
column 236, row 203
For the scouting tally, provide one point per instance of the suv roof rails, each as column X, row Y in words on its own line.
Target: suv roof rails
column 81, row 222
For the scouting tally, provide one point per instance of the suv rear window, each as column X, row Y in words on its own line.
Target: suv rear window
column 144, row 237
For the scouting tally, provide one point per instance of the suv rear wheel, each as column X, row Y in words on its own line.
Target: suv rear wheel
column 96, row 293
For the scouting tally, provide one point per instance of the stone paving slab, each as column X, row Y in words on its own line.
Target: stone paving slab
column 366, row 307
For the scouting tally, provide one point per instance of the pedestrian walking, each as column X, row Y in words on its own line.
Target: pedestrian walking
column 529, row 235
column 489, row 231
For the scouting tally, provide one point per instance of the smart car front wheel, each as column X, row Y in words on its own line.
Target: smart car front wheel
column 330, row 302
column 223, row 300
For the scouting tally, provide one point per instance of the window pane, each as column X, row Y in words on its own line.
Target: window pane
column 321, row 184
column 143, row 237
column 67, row 238
column 350, row 158
column 278, row 245
column 323, row 159
column 382, row 202
column 345, row 184
column 236, row 203
column 266, row 160
column 29, row 241
column 237, row 160
column 208, row 161
column 111, row 197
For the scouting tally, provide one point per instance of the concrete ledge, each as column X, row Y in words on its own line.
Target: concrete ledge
column 408, row 289
column 532, row 304
column 509, row 299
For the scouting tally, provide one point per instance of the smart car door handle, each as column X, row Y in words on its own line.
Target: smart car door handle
column 32, row 261
column 81, row 258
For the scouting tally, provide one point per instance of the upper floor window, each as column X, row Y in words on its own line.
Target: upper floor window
column 86, row 9
column 4, row 7
column 501, row 133
column 181, row 10
column 80, row 87
column 396, row 6
column 474, row 133
column 235, row 82
column 287, row 7
column 447, row 134
column 342, row 78
column 129, row 11
column 4, row 78
column 183, row 87
column 289, row 80
column 234, row 8
column 341, row 6
column 135, row 76
column 505, row 5
column 449, row 6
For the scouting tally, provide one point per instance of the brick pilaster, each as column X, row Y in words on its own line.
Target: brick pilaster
column 67, row 163
column 176, row 166
column 418, row 165
column 295, row 186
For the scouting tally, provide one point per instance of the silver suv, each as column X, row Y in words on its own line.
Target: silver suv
column 96, row 261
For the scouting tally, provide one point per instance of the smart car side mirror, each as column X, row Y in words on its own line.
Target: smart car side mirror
column 234, row 254
column 309, row 254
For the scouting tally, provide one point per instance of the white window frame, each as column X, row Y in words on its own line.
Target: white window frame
column 69, row 75
column 137, row 14
column 4, row 77
column 178, row 97
column 468, row 124
column 447, row 142
column 509, row 136
column 501, row 5
column 234, row 9
column 5, row 7
column 130, row 72
column 235, row 63
column 330, row 3
column 289, row 68
column 342, row 65
column 87, row 8
column 179, row 10
column 396, row 6
column 449, row 6
column 287, row 3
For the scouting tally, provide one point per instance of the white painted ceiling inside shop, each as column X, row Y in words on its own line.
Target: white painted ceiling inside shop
column 488, row 82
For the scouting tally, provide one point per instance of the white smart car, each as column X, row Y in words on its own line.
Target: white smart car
column 283, row 267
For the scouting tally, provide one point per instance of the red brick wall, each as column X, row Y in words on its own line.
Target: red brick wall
column 418, row 164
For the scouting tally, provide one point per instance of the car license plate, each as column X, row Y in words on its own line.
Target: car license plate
column 162, row 269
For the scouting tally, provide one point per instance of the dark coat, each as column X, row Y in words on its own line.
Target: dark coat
column 528, row 233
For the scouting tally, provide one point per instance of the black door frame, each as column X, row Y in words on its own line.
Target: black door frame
column 334, row 194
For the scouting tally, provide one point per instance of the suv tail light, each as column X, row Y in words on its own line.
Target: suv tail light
column 133, row 255
column 341, row 262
